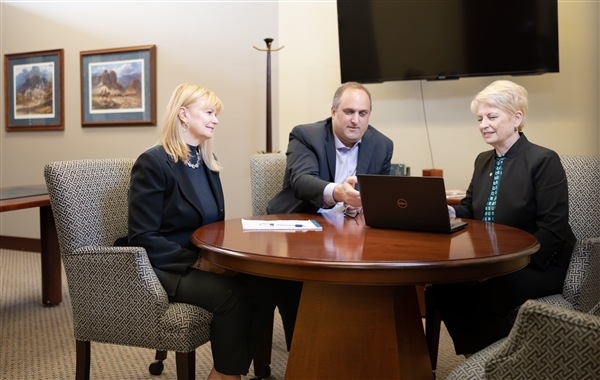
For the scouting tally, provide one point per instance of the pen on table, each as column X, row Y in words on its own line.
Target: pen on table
column 281, row 225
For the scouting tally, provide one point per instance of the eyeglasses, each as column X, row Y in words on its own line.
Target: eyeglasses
column 352, row 212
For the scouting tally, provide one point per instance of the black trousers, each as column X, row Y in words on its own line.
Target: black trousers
column 288, row 300
column 478, row 314
column 242, row 307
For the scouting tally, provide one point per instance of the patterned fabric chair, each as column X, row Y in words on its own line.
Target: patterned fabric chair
column 581, row 290
column 581, row 293
column 546, row 342
column 115, row 294
column 266, row 178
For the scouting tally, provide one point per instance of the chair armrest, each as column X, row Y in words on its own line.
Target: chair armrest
column 589, row 244
column 596, row 310
column 590, row 248
column 107, row 282
column 548, row 342
column 582, row 286
column 556, row 300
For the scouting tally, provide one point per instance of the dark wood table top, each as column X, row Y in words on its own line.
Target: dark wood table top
column 22, row 197
column 347, row 251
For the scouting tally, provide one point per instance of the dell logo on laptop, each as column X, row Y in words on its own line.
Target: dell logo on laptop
column 402, row 203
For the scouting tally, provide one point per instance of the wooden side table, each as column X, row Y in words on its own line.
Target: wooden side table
column 19, row 198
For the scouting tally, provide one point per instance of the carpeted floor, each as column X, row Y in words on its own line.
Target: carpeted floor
column 36, row 342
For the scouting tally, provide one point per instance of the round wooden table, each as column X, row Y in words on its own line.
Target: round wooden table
column 359, row 315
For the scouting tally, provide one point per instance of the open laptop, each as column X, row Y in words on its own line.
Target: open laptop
column 406, row 203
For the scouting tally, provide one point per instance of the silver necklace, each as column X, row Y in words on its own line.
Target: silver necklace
column 198, row 161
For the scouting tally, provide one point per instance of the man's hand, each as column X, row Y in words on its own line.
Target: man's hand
column 451, row 212
column 347, row 194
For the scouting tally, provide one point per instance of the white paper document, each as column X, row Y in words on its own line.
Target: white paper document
column 280, row 225
column 455, row 193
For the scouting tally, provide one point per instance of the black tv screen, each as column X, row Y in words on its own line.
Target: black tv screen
column 446, row 39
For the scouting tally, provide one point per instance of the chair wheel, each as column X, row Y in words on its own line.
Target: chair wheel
column 156, row 367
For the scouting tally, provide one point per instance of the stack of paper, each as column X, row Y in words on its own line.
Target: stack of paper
column 280, row 225
column 456, row 193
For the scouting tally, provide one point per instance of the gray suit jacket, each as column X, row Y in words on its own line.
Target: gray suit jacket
column 311, row 158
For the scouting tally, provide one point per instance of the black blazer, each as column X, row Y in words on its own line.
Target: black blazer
column 164, row 211
column 311, row 158
column 533, row 196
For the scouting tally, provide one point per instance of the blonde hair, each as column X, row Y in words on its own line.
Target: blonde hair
column 171, row 136
column 506, row 95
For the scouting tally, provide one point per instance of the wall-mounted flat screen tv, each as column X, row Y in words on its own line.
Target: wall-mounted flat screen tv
column 446, row 39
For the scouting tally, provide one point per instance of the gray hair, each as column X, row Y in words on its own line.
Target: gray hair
column 504, row 94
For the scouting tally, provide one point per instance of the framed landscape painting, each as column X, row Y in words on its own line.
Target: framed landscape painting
column 33, row 91
column 118, row 86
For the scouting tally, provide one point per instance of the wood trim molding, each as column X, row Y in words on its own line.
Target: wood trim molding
column 20, row 244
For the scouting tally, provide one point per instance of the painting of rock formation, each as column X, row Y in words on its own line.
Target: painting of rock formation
column 117, row 86
column 34, row 91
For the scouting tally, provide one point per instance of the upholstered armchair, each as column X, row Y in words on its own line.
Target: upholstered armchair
column 116, row 297
column 581, row 289
column 547, row 342
column 266, row 178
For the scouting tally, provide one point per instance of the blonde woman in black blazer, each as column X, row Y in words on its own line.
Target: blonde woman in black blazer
column 529, row 192
column 175, row 188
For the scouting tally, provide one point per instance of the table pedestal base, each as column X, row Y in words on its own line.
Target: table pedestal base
column 358, row 332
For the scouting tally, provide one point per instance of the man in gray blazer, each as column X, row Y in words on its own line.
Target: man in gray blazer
column 323, row 159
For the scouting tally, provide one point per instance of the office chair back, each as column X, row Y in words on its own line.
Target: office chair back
column 266, row 177
column 583, row 177
column 89, row 200
column 582, row 284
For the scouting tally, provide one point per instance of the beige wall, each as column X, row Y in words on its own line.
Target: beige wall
column 207, row 43
column 564, row 107
column 210, row 43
